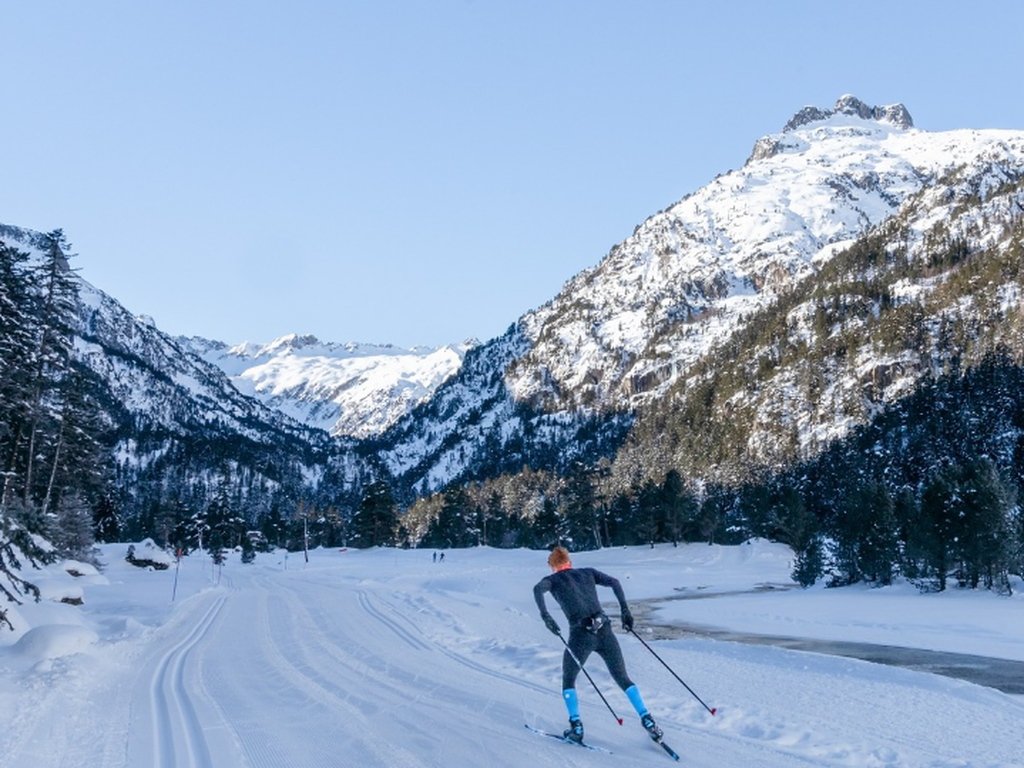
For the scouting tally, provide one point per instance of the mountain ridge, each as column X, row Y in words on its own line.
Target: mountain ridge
column 348, row 390
column 575, row 380
column 621, row 333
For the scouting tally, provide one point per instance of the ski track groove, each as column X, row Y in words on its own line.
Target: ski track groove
column 394, row 682
column 403, row 634
column 174, row 718
column 256, row 743
column 290, row 650
column 455, row 656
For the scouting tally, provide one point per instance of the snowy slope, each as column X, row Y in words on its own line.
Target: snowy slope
column 385, row 658
column 688, row 275
column 149, row 375
column 621, row 334
column 355, row 390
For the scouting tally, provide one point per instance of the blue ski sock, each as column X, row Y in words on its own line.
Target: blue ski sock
column 636, row 700
column 571, row 703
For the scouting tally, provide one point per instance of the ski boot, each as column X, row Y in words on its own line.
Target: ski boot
column 575, row 730
column 652, row 727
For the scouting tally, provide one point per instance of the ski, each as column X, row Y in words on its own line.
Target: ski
column 671, row 752
column 657, row 736
column 562, row 738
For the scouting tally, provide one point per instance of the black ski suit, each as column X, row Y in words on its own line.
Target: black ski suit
column 575, row 590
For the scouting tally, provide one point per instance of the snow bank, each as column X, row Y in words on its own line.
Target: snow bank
column 52, row 641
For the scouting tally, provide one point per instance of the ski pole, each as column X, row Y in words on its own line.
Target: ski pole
column 677, row 677
column 584, row 671
column 174, row 592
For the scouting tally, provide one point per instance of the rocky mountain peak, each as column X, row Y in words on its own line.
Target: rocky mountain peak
column 895, row 115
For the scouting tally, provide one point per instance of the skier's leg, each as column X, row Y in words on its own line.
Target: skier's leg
column 572, row 703
column 578, row 647
column 633, row 693
column 609, row 650
column 612, row 654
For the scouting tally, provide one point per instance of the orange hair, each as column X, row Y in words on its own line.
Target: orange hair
column 559, row 558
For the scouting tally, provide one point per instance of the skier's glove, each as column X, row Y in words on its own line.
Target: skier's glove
column 551, row 624
column 627, row 620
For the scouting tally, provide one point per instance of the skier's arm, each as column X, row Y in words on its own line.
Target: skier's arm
column 542, row 586
column 610, row 581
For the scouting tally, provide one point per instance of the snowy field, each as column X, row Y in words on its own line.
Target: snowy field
column 386, row 658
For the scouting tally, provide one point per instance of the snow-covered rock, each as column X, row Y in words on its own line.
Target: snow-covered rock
column 356, row 390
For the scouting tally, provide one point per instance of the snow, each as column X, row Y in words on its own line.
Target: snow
column 385, row 658
column 758, row 229
column 345, row 389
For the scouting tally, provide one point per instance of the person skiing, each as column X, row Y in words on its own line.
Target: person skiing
column 590, row 630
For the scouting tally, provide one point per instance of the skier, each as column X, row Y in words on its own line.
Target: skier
column 575, row 590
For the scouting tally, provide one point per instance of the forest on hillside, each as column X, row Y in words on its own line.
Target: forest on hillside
column 924, row 486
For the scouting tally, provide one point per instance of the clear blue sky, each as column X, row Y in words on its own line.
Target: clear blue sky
column 423, row 172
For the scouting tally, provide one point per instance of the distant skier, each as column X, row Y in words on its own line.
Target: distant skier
column 575, row 590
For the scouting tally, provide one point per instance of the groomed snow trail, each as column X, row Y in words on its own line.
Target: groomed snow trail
column 377, row 659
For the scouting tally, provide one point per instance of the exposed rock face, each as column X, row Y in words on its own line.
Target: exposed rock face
column 805, row 116
column 765, row 147
column 851, row 105
column 896, row 115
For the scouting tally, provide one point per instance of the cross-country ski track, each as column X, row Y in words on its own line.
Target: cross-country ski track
column 387, row 659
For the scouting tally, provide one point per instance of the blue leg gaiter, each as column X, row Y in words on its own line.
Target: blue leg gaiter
column 571, row 702
column 636, row 700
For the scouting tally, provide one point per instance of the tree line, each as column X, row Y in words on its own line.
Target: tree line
column 927, row 488
column 54, row 470
column 928, row 491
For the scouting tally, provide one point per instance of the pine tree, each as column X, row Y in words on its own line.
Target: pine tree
column 52, row 355
column 375, row 522
column 248, row 550
column 18, row 318
column 580, row 508
column 879, row 545
column 712, row 514
column 939, row 525
column 985, row 547
column 680, row 507
column 545, row 530
column 73, row 529
column 650, row 513
column 454, row 525
column 15, row 544
column 106, row 525
column 865, row 532
column 809, row 564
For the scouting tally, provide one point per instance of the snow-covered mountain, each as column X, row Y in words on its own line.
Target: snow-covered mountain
column 621, row 334
column 567, row 380
column 171, row 420
column 149, row 375
column 354, row 390
column 686, row 278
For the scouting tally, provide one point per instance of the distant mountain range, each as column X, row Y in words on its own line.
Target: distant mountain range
column 571, row 379
column 353, row 390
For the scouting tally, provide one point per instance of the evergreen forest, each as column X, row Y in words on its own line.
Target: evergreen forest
column 925, row 485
